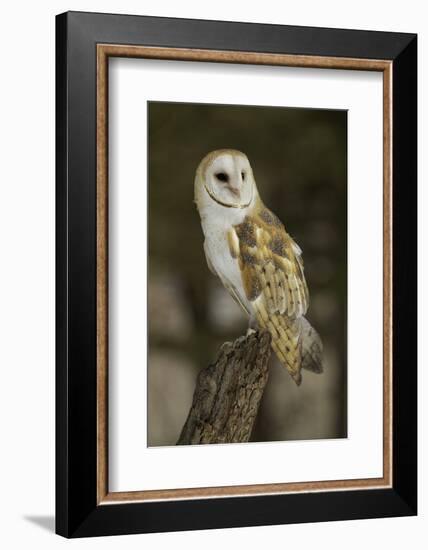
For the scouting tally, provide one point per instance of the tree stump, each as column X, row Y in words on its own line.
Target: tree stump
column 228, row 393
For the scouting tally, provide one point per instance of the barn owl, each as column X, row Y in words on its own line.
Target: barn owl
column 261, row 266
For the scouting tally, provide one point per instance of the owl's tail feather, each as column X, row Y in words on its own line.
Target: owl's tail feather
column 295, row 342
column 312, row 349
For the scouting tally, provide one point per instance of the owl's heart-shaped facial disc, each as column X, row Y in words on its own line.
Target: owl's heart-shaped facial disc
column 228, row 179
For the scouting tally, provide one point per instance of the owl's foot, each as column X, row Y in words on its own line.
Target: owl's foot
column 253, row 325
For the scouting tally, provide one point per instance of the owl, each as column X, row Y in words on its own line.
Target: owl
column 249, row 250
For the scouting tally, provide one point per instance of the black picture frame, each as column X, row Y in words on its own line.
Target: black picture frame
column 77, row 511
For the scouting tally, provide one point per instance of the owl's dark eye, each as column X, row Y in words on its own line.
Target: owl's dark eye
column 243, row 175
column 222, row 176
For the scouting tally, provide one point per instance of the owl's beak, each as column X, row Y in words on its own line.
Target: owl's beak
column 236, row 192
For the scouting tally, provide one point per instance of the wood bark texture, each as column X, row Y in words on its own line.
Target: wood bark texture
column 228, row 393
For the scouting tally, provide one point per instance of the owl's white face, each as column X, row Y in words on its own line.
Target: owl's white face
column 227, row 178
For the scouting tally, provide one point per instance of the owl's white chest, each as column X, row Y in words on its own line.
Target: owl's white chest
column 218, row 253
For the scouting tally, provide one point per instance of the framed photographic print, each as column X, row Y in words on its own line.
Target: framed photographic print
column 236, row 274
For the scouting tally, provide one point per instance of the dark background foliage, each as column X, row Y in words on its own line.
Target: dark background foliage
column 299, row 161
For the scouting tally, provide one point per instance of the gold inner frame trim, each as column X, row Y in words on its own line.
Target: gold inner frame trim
column 104, row 51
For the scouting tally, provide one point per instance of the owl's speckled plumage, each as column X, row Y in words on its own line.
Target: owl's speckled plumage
column 261, row 266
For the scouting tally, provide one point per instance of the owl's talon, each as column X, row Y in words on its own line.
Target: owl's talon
column 250, row 331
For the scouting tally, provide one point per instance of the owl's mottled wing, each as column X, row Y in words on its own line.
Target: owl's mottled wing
column 273, row 280
column 271, row 265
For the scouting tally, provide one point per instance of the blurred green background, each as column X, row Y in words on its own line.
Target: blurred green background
column 299, row 160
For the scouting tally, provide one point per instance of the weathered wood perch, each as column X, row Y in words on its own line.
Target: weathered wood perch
column 228, row 393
